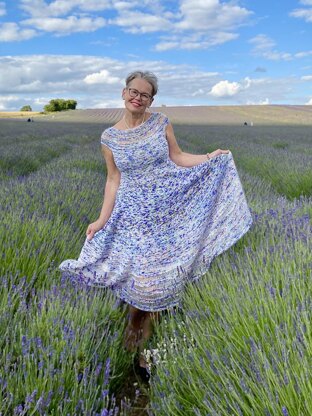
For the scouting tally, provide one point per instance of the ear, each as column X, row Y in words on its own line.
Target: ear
column 123, row 93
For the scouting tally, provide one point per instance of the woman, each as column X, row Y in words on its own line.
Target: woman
column 166, row 213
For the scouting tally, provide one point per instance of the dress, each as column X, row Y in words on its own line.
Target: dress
column 168, row 221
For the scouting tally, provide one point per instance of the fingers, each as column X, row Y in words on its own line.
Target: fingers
column 90, row 233
column 219, row 152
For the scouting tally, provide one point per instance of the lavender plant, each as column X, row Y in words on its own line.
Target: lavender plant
column 240, row 345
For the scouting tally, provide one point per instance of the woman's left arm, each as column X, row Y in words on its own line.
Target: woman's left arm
column 186, row 159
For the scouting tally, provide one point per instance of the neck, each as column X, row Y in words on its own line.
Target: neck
column 133, row 121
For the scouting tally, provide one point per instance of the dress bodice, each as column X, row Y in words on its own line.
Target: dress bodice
column 139, row 149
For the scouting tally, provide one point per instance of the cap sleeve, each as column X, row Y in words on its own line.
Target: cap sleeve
column 163, row 119
column 106, row 139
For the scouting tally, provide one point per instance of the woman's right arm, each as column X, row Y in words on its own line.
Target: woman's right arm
column 111, row 187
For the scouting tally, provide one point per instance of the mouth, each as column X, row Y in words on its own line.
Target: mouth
column 136, row 103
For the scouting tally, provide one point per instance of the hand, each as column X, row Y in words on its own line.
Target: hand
column 217, row 153
column 93, row 228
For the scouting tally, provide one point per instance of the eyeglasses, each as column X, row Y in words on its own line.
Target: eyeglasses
column 134, row 93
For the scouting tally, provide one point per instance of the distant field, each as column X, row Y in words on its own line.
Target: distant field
column 18, row 114
column 204, row 115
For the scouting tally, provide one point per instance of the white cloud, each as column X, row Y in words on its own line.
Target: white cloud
column 307, row 78
column 303, row 13
column 97, row 81
column 263, row 46
column 196, row 24
column 67, row 25
column 226, row 88
column 262, row 43
column 10, row 32
column 189, row 24
column 102, row 77
column 302, row 54
column 138, row 22
column 56, row 8
column 309, row 102
column 208, row 15
column 266, row 101
column 2, row 8
column 7, row 100
column 195, row 41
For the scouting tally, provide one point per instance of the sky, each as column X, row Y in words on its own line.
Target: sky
column 204, row 52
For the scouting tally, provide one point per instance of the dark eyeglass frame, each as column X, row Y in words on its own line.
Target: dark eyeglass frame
column 133, row 92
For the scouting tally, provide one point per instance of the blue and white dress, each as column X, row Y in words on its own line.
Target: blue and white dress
column 168, row 221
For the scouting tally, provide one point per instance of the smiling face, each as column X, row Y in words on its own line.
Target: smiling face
column 138, row 104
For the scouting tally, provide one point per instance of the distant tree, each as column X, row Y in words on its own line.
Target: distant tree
column 26, row 108
column 59, row 104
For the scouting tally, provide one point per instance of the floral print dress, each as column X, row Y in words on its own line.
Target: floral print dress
column 168, row 221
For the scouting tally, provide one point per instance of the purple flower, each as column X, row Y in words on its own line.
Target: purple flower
column 107, row 370
column 18, row 409
column 105, row 393
column 285, row 411
column 98, row 369
column 31, row 397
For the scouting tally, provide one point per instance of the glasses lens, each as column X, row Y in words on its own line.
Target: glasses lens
column 145, row 97
column 134, row 93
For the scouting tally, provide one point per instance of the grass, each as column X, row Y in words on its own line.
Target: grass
column 241, row 343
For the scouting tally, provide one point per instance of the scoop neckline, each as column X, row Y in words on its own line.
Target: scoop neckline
column 134, row 128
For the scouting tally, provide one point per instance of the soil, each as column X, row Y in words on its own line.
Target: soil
column 133, row 396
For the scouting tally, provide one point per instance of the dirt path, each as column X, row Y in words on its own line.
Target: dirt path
column 134, row 396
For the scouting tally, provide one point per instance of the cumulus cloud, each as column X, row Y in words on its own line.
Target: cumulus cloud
column 307, row 78
column 304, row 12
column 206, row 23
column 189, row 24
column 92, row 80
column 6, row 101
column 139, row 22
column 208, row 15
column 226, row 88
column 309, row 102
column 67, row 25
column 56, row 8
column 96, row 81
column 102, row 77
column 195, row 41
column 10, row 32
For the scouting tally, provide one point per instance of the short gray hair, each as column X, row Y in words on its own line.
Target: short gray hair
column 148, row 76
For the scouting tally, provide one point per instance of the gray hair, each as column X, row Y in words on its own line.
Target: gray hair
column 148, row 76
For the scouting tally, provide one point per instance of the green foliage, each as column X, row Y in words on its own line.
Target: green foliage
column 59, row 104
column 26, row 108
column 242, row 342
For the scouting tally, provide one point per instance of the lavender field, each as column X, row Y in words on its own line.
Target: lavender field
column 241, row 344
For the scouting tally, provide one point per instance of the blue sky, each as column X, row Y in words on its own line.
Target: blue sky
column 205, row 52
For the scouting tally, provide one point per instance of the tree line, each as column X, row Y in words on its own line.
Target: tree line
column 57, row 104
